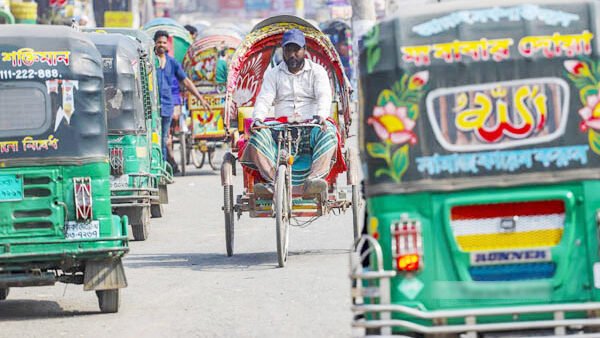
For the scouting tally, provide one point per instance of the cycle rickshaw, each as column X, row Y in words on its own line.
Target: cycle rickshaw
column 251, row 60
column 206, row 65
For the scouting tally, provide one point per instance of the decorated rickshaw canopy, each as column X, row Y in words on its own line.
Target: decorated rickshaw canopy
column 480, row 94
column 200, row 61
column 122, row 82
column 51, row 91
column 258, row 52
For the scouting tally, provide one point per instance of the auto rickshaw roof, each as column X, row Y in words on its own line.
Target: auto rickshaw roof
column 141, row 36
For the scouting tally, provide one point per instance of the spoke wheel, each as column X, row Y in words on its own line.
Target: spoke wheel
column 211, row 159
column 228, row 209
column 352, row 160
column 108, row 300
column 182, row 152
column 282, row 220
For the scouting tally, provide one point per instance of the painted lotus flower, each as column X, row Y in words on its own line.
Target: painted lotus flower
column 392, row 124
column 577, row 68
column 590, row 113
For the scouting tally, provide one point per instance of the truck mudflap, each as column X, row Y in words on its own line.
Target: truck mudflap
column 374, row 283
column 107, row 274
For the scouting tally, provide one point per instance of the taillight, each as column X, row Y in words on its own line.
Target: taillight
column 83, row 198
column 407, row 245
column 116, row 161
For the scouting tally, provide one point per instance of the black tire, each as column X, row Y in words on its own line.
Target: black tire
column 156, row 210
column 282, row 222
column 4, row 293
column 182, row 152
column 189, row 149
column 141, row 228
column 356, row 211
column 352, row 161
column 229, row 219
column 211, row 159
column 109, row 300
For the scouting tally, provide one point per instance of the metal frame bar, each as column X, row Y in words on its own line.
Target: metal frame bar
column 385, row 308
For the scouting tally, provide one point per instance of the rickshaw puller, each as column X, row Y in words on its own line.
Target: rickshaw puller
column 169, row 70
column 300, row 90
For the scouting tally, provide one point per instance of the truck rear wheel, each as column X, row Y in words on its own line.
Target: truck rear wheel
column 108, row 300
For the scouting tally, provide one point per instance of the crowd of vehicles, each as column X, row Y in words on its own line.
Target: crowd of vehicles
column 479, row 136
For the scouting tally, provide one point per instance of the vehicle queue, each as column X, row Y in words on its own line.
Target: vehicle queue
column 479, row 138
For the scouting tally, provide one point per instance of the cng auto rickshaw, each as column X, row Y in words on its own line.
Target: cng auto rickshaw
column 55, row 212
column 133, row 186
column 480, row 134
column 288, row 204
column 206, row 64
column 159, row 167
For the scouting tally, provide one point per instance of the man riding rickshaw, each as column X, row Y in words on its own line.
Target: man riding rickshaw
column 292, row 150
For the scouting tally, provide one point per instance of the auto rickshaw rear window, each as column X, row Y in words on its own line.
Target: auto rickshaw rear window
column 23, row 110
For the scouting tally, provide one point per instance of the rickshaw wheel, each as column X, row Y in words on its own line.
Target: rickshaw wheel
column 108, row 300
column 352, row 160
column 228, row 209
column 211, row 158
column 282, row 221
column 4, row 293
column 182, row 152
column 140, row 229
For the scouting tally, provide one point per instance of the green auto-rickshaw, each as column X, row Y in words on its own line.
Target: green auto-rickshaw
column 133, row 186
column 55, row 213
column 159, row 167
column 480, row 133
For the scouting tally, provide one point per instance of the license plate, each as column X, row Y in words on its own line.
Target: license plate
column 11, row 188
column 75, row 230
column 119, row 182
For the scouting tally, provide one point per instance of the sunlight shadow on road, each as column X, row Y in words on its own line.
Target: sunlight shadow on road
column 319, row 252
column 26, row 309
column 205, row 261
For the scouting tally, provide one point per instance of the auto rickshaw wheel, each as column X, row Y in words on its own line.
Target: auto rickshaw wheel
column 4, row 293
column 182, row 152
column 282, row 221
column 228, row 209
column 156, row 210
column 140, row 228
column 109, row 300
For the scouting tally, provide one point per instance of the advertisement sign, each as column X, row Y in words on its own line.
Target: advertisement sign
column 118, row 19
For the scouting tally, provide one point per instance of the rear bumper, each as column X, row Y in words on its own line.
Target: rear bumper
column 60, row 250
column 380, row 313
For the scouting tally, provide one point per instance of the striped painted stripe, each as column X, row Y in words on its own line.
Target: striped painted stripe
column 515, row 240
column 492, row 225
column 507, row 209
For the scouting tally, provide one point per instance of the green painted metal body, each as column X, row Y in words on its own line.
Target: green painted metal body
column 433, row 196
column 6, row 17
column 34, row 228
column 49, row 198
column 444, row 273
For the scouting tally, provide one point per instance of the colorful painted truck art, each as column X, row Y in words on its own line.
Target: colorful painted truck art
column 481, row 142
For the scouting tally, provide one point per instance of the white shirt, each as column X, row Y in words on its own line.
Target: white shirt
column 298, row 96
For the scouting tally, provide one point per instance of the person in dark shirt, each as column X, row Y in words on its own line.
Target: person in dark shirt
column 169, row 70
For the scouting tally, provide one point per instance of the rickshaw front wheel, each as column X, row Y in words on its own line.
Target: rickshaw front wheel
column 282, row 221
column 228, row 207
column 108, row 300
column 183, row 152
column 4, row 293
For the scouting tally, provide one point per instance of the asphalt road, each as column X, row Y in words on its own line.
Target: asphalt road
column 181, row 284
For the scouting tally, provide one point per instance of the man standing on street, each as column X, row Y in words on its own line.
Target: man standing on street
column 169, row 70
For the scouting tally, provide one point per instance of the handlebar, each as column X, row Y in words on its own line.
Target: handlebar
column 294, row 125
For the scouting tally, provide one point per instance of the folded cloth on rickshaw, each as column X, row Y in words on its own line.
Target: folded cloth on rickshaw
column 302, row 162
